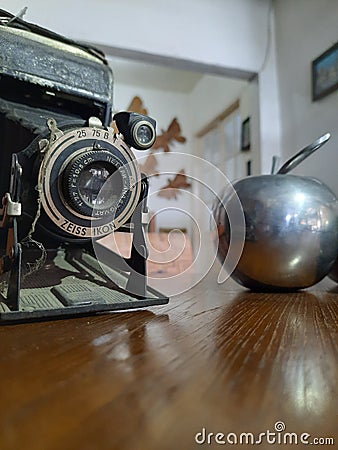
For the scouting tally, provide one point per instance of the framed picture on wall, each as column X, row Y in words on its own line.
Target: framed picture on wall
column 248, row 167
column 245, row 135
column 325, row 73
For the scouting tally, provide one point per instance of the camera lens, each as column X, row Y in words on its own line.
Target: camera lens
column 91, row 181
column 144, row 134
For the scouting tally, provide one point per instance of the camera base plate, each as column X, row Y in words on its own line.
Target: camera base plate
column 63, row 290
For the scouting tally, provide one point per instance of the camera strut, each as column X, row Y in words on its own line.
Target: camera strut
column 10, row 211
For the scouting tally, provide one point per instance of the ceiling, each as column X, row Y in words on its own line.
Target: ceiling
column 153, row 76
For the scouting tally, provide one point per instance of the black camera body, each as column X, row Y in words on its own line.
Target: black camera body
column 66, row 177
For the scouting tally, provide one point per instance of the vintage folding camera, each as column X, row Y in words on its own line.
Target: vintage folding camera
column 67, row 179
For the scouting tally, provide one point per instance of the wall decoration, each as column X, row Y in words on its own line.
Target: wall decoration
column 150, row 165
column 163, row 142
column 172, row 189
column 137, row 106
column 325, row 73
column 173, row 133
column 245, row 135
column 248, row 168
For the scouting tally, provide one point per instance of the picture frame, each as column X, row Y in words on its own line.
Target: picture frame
column 245, row 135
column 248, row 168
column 325, row 73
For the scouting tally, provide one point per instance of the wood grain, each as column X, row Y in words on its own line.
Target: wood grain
column 217, row 357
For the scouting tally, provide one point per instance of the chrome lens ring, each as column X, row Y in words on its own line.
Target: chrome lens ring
column 135, row 133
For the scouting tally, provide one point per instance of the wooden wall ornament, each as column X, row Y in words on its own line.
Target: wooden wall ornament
column 150, row 165
column 172, row 189
column 173, row 133
column 163, row 142
column 137, row 106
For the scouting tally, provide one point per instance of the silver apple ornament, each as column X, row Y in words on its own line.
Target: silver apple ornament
column 291, row 238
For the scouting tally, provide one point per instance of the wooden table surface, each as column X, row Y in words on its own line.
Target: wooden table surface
column 217, row 357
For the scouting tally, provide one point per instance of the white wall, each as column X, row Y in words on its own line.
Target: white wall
column 250, row 107
column 270, row 123
column 304, row 30
column 212, row 95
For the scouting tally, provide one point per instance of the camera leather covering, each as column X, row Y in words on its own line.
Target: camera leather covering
column 32, row 54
